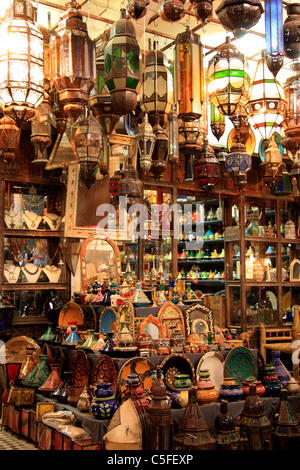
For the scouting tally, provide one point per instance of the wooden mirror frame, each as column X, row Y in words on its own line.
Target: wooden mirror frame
column 83, row 249
column 151, row 320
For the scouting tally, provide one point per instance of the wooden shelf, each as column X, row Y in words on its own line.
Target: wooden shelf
column 37, row 286
column 30, row 320
column 201, row 260
column 7, row 232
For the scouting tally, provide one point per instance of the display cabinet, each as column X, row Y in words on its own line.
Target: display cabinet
column 261, row 248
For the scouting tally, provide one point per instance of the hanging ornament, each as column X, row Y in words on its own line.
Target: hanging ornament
column 123, row 66
column 217, row 122
column 228, row 79
column 291, row 39
column 283, row 187
column 206, row 169
column 202, row 9
column 239, row 16
column 238, row 163
column 137, row 8
column 40, row 125
column 173, row 143
column 145, row 143
column 274, row 37
column 291, row 121
column 10, row 135
column 172, row 10
column 160, row 151
column 271, row 168
column 74, row 71
column 130, row 185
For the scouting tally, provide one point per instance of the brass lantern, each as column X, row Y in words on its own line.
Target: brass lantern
column 228, row 79
column 291, row 31
column 74, row 70
column 206, row 169
column 145, row 143
column 156, row 95
column 239, row 16
column 225, row 434
column 130, row 186
column 41, row 127
column 21, row 62
column 265, row 106
column 271, row 168
column 202, row 9
column 9, row 138
column 160, row 151
column 137, row 8
column 189, row 75
column 172, row 10
column 123, row 66
column 291, row 121
column 217, row 122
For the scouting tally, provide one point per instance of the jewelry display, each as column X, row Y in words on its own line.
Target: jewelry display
column 11, row 273
column 53, row 221
column 11, row 218
column 31, row 272
column 52, row 272
column 31, row 219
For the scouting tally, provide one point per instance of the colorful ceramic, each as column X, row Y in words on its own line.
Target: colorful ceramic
column 270, row 381
column 280, row 370
column 206, row 391
column 104, row 370
column 230, row 390
column 27, row 365
column 61, row 393
column 240, row 363
column 80, row 367
column 52, row 383
column 39, row 375
column 71, row 312
column 260, row 389
column 49, row 335
column 141, row 366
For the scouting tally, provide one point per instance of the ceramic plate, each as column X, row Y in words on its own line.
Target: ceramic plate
column 177, row 361
column 214, row 362
column 14, row 350
column 71, row 312
column 240, row 363
column 108, row 320
column 81, row 368
column 104, row 370
column 143, row 367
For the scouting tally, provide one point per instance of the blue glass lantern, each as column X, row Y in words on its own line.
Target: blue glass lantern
column 238, row 163
column 274, row 36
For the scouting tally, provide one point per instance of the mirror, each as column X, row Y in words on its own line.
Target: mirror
column 100, row 261
column 152, row 327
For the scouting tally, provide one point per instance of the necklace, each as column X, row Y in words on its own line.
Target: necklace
column 52, row 272
column 12, row 215
column 33, row 218
column 54, row 219
column 12, row 276
column 31, row 272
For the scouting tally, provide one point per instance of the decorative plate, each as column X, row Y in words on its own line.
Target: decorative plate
column 125, row 316
column 14, row 350
column 80, row 367
column 170, row 376
column 181, row 363
column 141, row 366
column 69, row 313
column 90, row 318
column 105, row 370
column 249, row 144
column 108, row 320
column 240, row 363
column 214, row 362
column 170, row 316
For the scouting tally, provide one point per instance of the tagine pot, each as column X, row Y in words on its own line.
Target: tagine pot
column 103, row 402
column 61, row 393
column 135, row 390
column 109, row 345
column 260, row 389
column 230, row 390
column 39, row 375
column 206, row 391
column 52, row 383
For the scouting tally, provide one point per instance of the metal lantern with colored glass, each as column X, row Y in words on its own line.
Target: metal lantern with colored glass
column 291, row 37
column 189, row 75
column 130, row 186
column 123, row 66
column 228, row 79
column 266, row 104
column 271, row 168
column 217, row 122
column 274, row 36
column 21, row 62
column 160, row 151
column 239, row 16
column 291, row 121
column 74, row 70
column 41, row 127
column 206, row 170
column 156, row 95
column 172, row 10
column 145, row 143
column 238, row 163
column 173, row 142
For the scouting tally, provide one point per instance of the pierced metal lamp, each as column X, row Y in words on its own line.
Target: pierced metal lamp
column 239, row 16
column 145, row 143
column 271, row 168
column 172, row 10
column 10, row 135
column 206, row 169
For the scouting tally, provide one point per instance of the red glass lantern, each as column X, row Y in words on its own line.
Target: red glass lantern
column 206, row 170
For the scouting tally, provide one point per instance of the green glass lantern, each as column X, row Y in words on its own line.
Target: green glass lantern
column 228, row 79
column 123, row 66
column 217, row 122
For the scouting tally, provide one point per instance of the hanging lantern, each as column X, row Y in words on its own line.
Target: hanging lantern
column 222, row 157
column 172, row 10
column 295, row 178
column 145, row 143
column 41, row 127
column 59, row 114
column 173, row 143
column 274, row 37
column 89, row 147
column 10, row 135
column 238, row 163
column 286, row 432
column 190, row 141
column 228, row 79
column 114, row 181
column 130, row 185
column 254, row 422
column 291, row 121
column 271, row 169
column 160, row 151
column 239, row 16
column 193, row 433
column 21, row 62
column 156, row 95
column 283, row 187
column 137, row 8
column 189, row 75
column 206, row 169
column 202, row 9
column 74, row 67
column 123, row 65
column 291, row 26
column 217, row 122
column 266, row 104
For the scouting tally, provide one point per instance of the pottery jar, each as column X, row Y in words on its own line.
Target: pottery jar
column 74, row 392
column 180, row 397
column 230, row 390
column 182, row 381
column 104, row 404
column 270, row 381
column 135, row 390
column 260, row 389
column 84, row 402
column 103, row 390
column 280, row 370
column 206, row 391
column 27, row 365
column 143, row 341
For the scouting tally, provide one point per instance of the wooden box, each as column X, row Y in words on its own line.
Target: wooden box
column 32, row 425
column 44, row 437
column 4, row 415
column 25, row 421
column 16, row 420
column 57, row 440
column 10, row 416
column 21, row 396
column 42, row 408
column 86, row 445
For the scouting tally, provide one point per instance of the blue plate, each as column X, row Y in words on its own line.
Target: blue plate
column 108, row 320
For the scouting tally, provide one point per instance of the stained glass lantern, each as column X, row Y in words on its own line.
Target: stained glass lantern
column 239, row 16
column 173, row 142
column 114, row 181
column 202, row 9
column 228, row 79
column 172, row 10
column 123, row 66
column 291, row 121
column 137, row 8
column 283, row 187
column 225, row 433
column 266, row 104
column 189, row 75
column 156, row 95
column 145, row 143
column 206, row 170
column 74, row 69
column 40, row 125
column 295, row 178
column 89, row 146
column 271, row 168
column 238, row 163
column 291, row 37
column 286, row 429
column 274, row 36
column 21, row 62
column 160, row 151
column 130, row 186
column 217, row 122
column 9, row 138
